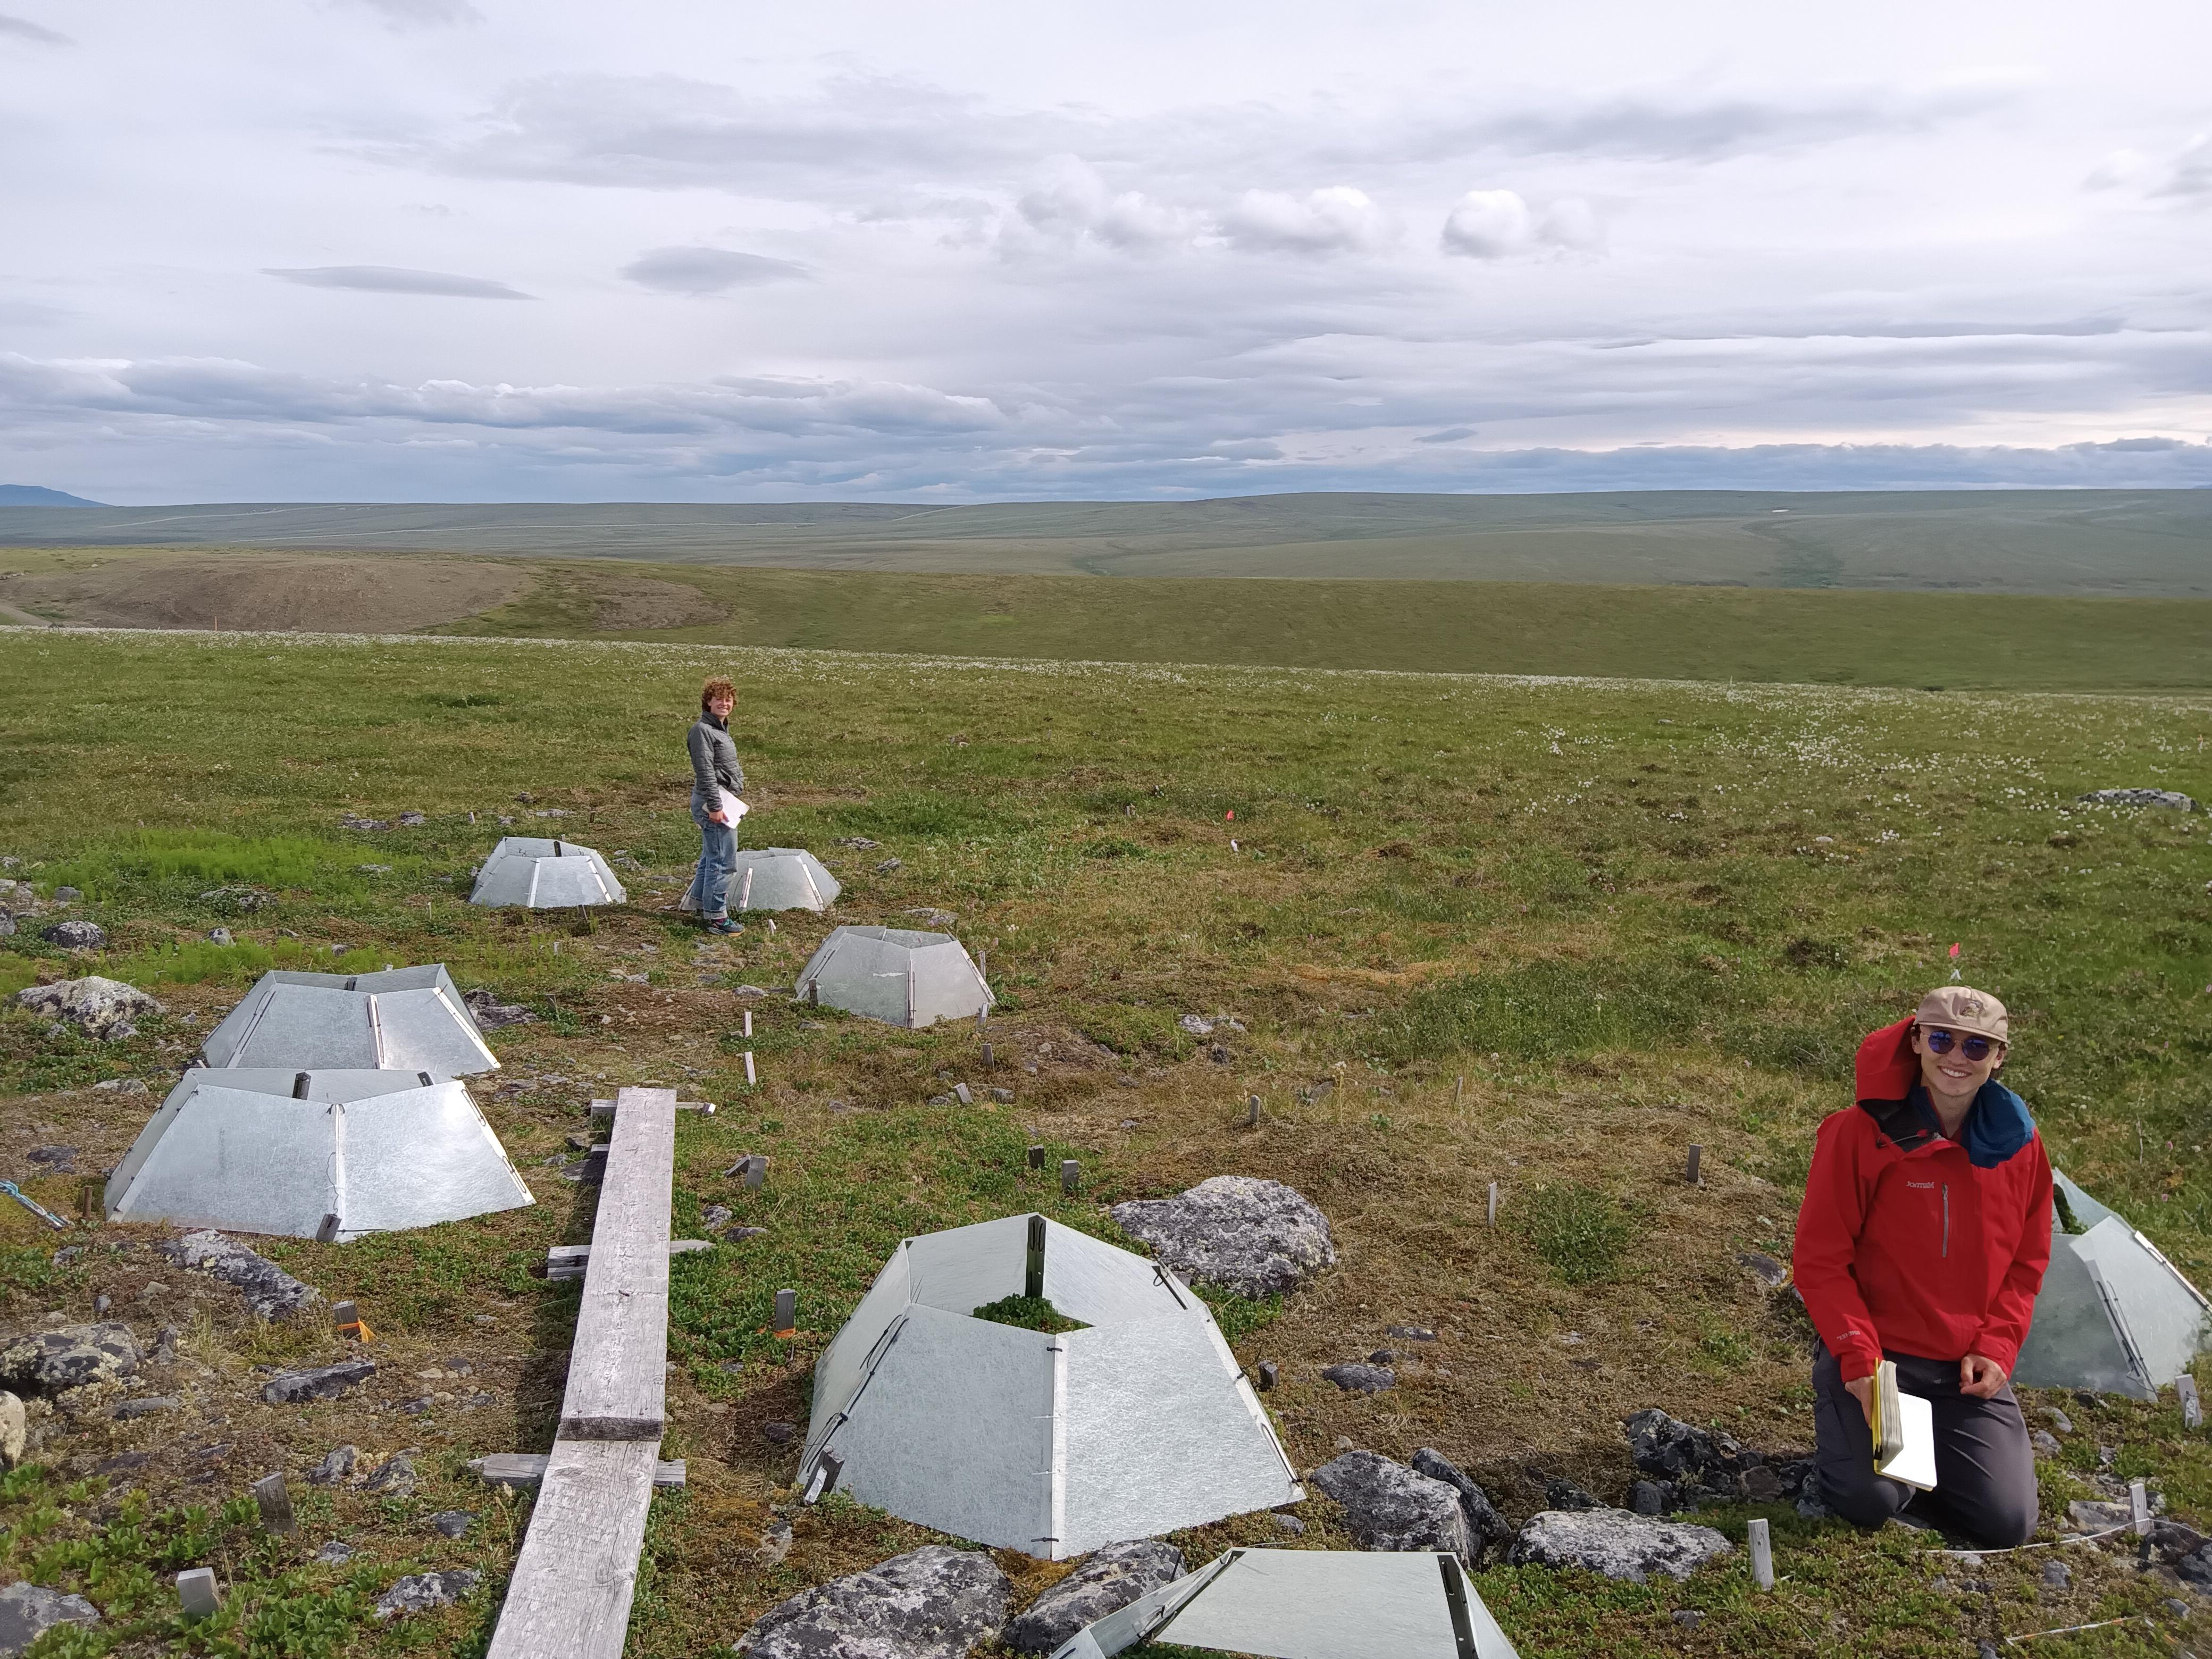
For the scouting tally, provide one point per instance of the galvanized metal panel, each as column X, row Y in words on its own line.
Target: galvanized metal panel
column 419, row 1157
column 311, row 1027
column 246, row 1163
column 428, row 1031
column 954, row 1432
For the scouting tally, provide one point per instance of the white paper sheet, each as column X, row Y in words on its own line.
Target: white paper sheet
column 1914, row 1465
column 733, row 808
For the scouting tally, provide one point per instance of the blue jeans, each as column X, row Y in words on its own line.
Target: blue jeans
column 709, row 892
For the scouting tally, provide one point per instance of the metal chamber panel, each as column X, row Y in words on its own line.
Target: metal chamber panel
column 1332, row 1604
column 418, row 1158
column 265, row 1163
column 896, row 976
column 545, row 874
column 954, row 1430
column 781, row 879
column 1138, row 1424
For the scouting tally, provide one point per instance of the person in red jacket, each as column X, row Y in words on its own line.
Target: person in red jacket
column 1925, row 1234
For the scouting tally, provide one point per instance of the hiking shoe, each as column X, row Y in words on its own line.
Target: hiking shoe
column 723, row 925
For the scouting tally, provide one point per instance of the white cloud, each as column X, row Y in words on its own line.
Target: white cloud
column 1497, row 224
column 22, row 28
column 706, row 271
column 395, row 279
column 1072, row 202
column 1337, row 219
column 423, row 13
column 2192, row 169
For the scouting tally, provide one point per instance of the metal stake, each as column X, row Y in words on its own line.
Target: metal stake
column 1036, row 1157
column 1252, row 1111
column 2192, row 1408
column 197, row 1593
column 1697, row 1155
column 276, row 1504
column 1071, row 1174
column 787, row 1313
column 1033, row 1278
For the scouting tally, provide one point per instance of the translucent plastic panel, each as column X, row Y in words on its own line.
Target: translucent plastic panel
column 843, row 1371
column 1330, row 1604
column 1159, row 1435
column 963, row 1267
column 2071, row 1342
column 1091, row 1280
column 781, row 879
column 2164, row 1314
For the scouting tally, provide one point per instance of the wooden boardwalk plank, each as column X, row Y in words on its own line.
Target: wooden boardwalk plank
column 618, row 1364
column 574, row 1580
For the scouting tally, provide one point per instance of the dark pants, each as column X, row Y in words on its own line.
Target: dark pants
column 1984, row 1467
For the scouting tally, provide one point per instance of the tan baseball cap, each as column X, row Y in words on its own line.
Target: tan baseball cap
column 1962, row 1008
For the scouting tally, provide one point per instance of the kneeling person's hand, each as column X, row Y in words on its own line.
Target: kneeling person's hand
column 1980, row 1377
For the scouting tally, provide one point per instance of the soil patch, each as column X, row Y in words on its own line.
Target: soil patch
column 267, row 591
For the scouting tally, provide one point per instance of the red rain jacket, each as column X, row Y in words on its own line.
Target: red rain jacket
column 1913, row 1243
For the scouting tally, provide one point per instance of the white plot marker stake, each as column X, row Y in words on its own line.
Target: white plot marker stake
column 1762, row 1554
column 2192, row 1408
column 1493, row 1204
column 2139, row 1503
column 196, row 1595
column 750, row 1076
column 749, row 1022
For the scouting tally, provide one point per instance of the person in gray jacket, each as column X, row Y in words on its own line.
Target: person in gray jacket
column 714, row 769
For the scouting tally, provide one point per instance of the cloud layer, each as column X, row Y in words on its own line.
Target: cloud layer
column 1160, row 253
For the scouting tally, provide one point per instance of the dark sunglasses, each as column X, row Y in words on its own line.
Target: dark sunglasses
column 1975, row 1049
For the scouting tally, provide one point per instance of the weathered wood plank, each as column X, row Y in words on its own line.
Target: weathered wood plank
column 618, row 1363
column 528, row 1468
column 573, row 1582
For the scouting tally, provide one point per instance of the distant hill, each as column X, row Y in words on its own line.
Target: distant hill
column 38, row 495
column 2142, row 543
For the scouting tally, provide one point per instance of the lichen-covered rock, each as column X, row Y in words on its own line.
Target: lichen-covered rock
column 101, row 1008
column 324, row 1383
column 931, row 1603
column 1489, row 1527
column 335, row 1468
column 48, row 1362
column 1616, row 1543
column 2173, row 799
column 27, row 1611
column 419, row 1592
column 393, row 1478
column 76, row 936
column 273, row 1293
column 1106, row 1583
column 1360, row 1379
column 14, row 1430
column 1688, row 1466
column 1253, row 1236
column 1388, row 1506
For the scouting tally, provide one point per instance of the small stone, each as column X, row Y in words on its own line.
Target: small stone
column 28, row 1610
column 221, row 936
column 422, row 1591
column 103, row 1009
column 2175, row 1607
column 1004, row 1097
column 2057, row 1576
column 1689, row 1618
column 1266, row 1375
column 1487, row 1527
column 1107, row 1581
column 2059, row 1420
column 61, row 1160
column 1562, row 1494
column 335, row 1468
column 145, row 1407
column 269, row 1291
column 1254, row 1236
column 1616, row 1544
column 1384, row 1357
column 1412, row 1332
column 1290, row 1524
column 392, row 1477
column 324, row 1383
column 1360, row 1379
column 50, row 1362
column 889, row 864
column 715, row 1217
column 936, row 1602
column 2046, row 1444
column 1388, row 1506
column 2173, row 800
column 781, row 1434
column 67, row 896
column 336, row 1553
column 490, row 1013
column 453, row 1522
column 1648, row 1498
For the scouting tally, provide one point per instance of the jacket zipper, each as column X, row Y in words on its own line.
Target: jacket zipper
column 1947, row 1218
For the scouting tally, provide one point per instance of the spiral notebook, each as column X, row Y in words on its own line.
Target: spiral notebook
column 1904, row 1431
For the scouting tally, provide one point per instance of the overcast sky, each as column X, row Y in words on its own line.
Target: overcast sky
column 487, row 250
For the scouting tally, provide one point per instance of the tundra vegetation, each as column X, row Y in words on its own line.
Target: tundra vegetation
column 1547, row 935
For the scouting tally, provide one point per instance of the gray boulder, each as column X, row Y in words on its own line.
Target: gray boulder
column 2196, row 1570
column 936, row 1602
column 1616, row 1543
column 102, row 1009
column 75, row 936
column 48, row 1362
column 274, row 1293
column 2171, row 799
column 1253, row 1236
column 419, row 1592
column 324, row 1383
column 335, row 1468
column 1360, row 1379
column 1490, row 1528
column 27, row 1611
column 1108, row 1582
column 1388, row 1506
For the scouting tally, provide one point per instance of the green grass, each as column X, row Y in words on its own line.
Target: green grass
column 1028, row 1313
column 1949, row 640
column 1537, row 933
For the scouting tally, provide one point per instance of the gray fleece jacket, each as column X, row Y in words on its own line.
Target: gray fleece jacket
column 714, row 759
